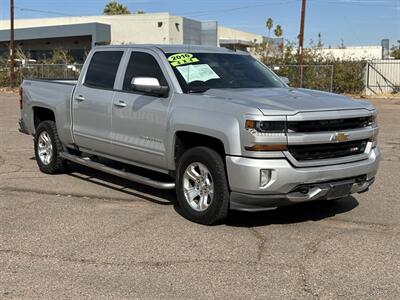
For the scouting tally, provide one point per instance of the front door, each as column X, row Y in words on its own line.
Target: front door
column 92, row 102
column 139, row 120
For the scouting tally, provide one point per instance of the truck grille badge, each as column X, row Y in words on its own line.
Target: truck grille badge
column 339, row 137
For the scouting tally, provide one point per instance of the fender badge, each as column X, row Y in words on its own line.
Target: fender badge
column 339, row 137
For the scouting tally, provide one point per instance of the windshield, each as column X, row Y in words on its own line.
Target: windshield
column 198, row 72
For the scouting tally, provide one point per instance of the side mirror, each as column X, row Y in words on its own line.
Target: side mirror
column 285, row 80
column 149, row 85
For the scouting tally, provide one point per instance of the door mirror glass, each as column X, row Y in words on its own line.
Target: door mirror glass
column 149, row 85
column 285, row 80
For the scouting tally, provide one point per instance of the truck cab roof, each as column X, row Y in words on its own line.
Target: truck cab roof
column 174, row 48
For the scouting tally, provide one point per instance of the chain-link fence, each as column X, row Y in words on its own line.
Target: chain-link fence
column 54, row 71
column 318, row 77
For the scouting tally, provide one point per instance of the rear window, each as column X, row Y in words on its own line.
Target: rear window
column 103, row 69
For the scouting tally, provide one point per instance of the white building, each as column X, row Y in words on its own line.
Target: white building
column 353, row 53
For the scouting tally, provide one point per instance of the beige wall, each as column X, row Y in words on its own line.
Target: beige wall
column 233, row 34
column 136, row 29
column 175, row 32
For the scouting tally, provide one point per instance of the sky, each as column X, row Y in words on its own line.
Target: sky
column 356, row 22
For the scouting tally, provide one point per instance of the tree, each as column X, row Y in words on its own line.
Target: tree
column 269, row 24
column 342, row 45
column 278, row 31
column 58, row 56
column 396, row 51
column 320, row 44
column 115, row 8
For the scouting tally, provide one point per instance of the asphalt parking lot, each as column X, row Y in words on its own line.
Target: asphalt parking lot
column 90, row 235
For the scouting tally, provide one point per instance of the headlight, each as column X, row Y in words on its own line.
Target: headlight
column 276, row 130
column 278, row 127
column 372, row 120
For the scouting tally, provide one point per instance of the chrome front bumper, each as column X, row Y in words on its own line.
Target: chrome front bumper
column 289, row 185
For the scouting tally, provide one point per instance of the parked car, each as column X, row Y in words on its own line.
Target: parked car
column 225, row 131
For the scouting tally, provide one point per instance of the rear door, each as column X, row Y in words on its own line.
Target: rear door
column 140, row 120
column 92, row 102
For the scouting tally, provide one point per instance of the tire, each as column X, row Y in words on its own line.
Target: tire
column 212, row 186
column 47, row 140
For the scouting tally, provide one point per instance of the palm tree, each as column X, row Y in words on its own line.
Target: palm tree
column 115, row 8
column 269, row 24
column 278, row 31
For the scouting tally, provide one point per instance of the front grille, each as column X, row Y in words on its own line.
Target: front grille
column 325, row 151
column 329, row 125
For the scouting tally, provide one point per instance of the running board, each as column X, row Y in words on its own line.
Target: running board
column 130, row 176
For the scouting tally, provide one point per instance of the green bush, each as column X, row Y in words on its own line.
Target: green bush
column 348, row 76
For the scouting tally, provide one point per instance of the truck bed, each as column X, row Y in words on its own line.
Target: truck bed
column 52, row 94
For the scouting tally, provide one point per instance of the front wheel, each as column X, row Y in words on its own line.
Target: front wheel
column 202, row 186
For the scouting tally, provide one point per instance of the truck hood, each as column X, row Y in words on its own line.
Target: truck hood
column 288, row 101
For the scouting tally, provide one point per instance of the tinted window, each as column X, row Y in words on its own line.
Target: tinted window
column 142, row 65
column 198, row 72
column 103, row 69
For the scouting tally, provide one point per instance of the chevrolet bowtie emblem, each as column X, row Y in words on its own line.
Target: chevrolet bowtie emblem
column 339, row 137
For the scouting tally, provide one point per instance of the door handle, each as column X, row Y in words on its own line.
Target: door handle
column 120, row 104
column 79, row 98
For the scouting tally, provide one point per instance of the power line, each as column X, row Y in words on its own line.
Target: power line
column 373, row 3
column 187, row 14
column 42, row 11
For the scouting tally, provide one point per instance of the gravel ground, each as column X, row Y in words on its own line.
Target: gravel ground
column 90, row 235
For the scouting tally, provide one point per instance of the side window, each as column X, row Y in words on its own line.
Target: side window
column 103, row 69
column 142, row 65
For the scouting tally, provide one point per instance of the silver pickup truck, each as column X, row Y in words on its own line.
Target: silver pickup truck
column 215, row 124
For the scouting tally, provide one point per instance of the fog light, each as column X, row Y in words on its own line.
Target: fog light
column 374, row 141
column 265, row 177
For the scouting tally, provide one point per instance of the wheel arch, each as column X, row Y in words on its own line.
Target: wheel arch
column 41, row 114
column 185, row 140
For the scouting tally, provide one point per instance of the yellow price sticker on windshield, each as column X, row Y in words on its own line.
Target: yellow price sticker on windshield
column 182, row 59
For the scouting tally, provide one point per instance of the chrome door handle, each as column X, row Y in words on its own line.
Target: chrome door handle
column 79, row 98
column 120, row 104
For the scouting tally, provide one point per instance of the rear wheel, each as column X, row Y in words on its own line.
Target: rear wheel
column 202, row 187
column 48, row 148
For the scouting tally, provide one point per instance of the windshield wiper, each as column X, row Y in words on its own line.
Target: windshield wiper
column 197, row 90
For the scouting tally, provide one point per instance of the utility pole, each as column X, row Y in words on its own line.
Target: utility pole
column 301, row 35
column 12, row 49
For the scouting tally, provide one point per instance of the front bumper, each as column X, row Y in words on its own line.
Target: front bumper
column 290, row 185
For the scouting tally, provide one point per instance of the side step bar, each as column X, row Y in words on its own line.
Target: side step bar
column 130, row 176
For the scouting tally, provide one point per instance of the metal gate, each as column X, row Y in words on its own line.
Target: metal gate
column 382, row 77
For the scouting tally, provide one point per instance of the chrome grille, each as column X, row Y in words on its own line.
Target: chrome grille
column 329, row 125
column 326, row 151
